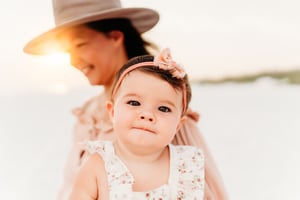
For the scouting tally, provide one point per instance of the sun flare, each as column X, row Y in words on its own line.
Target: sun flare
column 57, row 59
column 58, row 88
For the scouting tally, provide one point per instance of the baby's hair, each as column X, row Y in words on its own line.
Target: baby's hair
column 179, row 84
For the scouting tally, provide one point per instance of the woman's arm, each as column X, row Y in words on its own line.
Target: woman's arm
column 89, row 179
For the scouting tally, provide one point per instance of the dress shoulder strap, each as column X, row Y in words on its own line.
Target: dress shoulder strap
column 99, row 146
column 119, row 178
column 189, row 164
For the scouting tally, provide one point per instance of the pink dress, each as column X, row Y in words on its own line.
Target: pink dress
column 186, row 176
column 93, row 123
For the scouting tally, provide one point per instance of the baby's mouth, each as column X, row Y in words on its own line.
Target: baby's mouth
column 144, row 129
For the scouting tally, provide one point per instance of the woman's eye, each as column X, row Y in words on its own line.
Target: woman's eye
column 79, row 42
column 80, row 45
column 75, row 47
column 164, row 109
column 133, row 103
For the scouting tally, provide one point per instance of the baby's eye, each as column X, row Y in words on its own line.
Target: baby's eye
column 164, row 109
column 133, row 103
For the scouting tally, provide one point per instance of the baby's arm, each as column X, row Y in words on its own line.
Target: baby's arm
column 87, row 183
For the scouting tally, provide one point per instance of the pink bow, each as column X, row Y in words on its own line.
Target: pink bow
column 164, row 61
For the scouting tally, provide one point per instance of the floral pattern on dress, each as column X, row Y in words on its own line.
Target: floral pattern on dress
column 186, row 181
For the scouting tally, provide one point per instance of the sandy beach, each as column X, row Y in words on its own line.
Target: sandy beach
column 252, row 130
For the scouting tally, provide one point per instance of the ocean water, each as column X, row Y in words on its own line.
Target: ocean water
column 252, row 130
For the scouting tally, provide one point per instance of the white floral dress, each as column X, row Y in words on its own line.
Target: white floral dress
column 186, row 179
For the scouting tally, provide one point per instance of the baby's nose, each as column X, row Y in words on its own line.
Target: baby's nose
column 147, row 116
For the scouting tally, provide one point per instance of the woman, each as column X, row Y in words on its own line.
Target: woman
column 100, row 36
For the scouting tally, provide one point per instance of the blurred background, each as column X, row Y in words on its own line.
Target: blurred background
column 243, row 60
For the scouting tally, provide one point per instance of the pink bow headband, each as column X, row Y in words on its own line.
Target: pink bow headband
column 163, row 61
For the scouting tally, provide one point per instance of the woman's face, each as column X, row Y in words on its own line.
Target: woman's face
column 96, row 55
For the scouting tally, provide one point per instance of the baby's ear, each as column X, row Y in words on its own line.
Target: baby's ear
column 110, row 109
column 182, row 120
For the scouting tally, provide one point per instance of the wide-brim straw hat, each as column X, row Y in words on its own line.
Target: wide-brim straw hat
column 69, row 13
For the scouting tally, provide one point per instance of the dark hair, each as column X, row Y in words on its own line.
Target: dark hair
column 134, row 44
column 176, row 83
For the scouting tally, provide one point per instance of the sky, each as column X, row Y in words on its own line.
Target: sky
column 212, row 39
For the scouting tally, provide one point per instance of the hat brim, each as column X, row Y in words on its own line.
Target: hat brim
column 143, row 19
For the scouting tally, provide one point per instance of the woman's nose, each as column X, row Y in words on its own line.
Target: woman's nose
column 75, row 60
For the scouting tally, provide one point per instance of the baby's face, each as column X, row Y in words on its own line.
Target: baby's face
column 147, row 110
